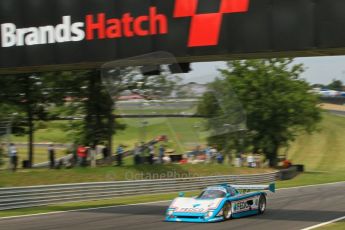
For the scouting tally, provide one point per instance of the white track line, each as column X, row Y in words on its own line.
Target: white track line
column 325, row 223
column 154, row 202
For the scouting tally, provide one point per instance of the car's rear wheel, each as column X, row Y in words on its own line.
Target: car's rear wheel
column 227, row 211
column 262, row 204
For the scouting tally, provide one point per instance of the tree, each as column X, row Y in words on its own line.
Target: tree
column 277, row 102
column 82, row 94
column 2, row 154
column 336, row 85
column 75, row 94
column 25, row 95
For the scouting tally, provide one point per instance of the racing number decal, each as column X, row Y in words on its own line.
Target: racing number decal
column 242, row 205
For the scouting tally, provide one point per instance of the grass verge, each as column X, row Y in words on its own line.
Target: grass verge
column 311, row 178
column 303, row 179
column 334, row 226
column 323, row 150
column 31, row 177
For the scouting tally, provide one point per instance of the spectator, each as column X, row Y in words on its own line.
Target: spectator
column 60, row 164
column 12, row 153
column 72, row 149
column 251, row 161
column 213, row 154
column 287, row 163
column 194, row 153
column 208, row 154
column 119, row 155
column 243, row 159
column 161, row 154
column 220, row 158
column 82, row 155
column 151, row 150
column 69, row 161
column 51, row 156
column 105, row 152
column 2, row 153
column 151, row 153
column 92, row 152
column 137, row 153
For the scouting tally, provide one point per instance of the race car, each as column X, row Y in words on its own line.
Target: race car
column 219, row 203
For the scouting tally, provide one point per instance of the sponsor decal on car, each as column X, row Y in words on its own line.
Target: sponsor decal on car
column 242, row 205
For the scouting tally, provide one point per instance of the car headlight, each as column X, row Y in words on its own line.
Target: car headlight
column 209, row 214
column 170, row 212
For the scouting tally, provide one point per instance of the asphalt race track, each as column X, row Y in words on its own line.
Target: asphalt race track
column 294, row 208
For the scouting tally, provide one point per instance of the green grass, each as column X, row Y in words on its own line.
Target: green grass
column 311, row 178
column 323, row 150
column 182, row 133
column 52, row 131
column 30, row 177
column 334, row 226
column 322, row 153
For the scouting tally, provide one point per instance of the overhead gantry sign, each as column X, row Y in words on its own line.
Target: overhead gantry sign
column 45, row 35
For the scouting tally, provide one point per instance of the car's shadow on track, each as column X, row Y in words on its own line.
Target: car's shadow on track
column 132, row 210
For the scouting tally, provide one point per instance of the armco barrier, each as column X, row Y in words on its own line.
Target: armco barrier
column 21, row 197
column 289, row 173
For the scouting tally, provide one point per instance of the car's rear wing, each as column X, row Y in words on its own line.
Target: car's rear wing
column 271, row 187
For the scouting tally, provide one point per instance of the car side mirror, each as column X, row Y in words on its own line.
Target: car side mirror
column 181, row 194
column 250, row 202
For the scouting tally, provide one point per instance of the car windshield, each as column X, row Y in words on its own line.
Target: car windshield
column 211, row 194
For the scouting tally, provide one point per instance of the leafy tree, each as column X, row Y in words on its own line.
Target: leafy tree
column 2, row 154
column 276, row 100
column 336, row 85
column 318, row 86
column 73, row 94
column 81, row 94
column 25, row 95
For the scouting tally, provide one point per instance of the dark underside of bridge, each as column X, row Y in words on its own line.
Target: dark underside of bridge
column 190, row 59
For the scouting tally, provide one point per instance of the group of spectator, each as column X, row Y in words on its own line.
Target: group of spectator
column 252, row 160
column 79, row 156
column 142, row 153
column 208, row 155
column 147, row 153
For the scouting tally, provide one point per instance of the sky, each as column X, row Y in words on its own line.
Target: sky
column 318, row 70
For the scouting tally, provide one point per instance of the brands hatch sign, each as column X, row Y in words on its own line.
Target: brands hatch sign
column 65, row 34
column 204, row 30
column 95, row 27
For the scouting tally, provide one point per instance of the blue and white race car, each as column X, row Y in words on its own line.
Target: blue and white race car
column 219, row 203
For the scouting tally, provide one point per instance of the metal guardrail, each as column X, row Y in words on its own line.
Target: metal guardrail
column 22, row 197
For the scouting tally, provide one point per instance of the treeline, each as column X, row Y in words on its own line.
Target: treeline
column 28, row 98
column 262, row 106
column 88, row 94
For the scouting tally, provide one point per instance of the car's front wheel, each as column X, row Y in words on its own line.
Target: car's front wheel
column 262, row 204
column 227, row 211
